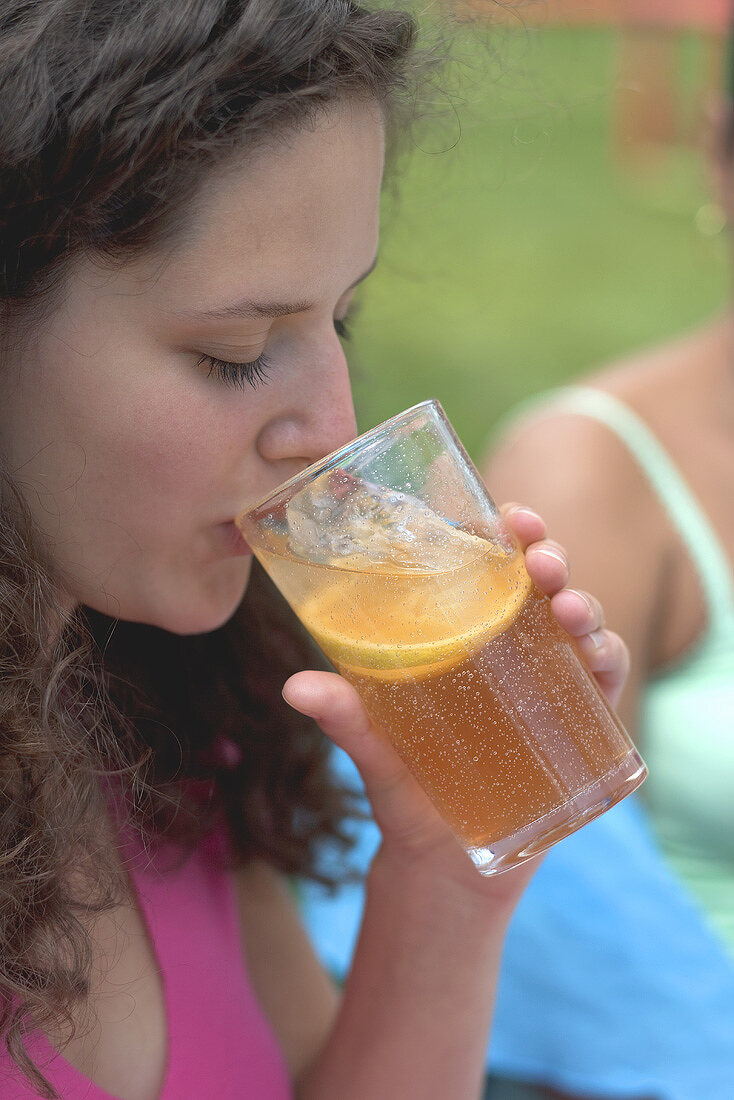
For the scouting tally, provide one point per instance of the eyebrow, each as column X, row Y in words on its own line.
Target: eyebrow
column 253, row 309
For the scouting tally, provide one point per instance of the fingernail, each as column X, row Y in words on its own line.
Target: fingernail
column 520, row 509
column 550, row 552
column 584, row 597
column 597, row 638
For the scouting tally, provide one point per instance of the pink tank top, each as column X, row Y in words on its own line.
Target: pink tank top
column 219, row 1044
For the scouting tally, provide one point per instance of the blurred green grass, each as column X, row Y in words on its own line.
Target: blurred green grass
column 525, row 249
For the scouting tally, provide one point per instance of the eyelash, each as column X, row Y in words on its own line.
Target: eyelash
column 255, row 373
column 238, row 374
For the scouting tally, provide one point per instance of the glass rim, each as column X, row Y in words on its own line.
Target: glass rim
column 310, row 472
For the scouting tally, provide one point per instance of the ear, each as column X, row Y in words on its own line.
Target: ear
column 719, row 149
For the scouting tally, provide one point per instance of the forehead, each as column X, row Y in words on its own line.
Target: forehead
column 301, row 212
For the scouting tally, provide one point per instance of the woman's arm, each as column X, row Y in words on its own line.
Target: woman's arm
column 415, row 1013
column 417, row 1005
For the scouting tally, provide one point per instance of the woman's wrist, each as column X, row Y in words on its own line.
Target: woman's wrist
column 450, row 885
column 417, row 1003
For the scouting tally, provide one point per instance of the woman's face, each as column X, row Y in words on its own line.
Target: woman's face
column 134, row 452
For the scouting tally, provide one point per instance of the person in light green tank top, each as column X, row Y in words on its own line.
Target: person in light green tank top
column 638, row 482
column 643, row 457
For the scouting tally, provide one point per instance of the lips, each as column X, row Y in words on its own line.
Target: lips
column 232, row 541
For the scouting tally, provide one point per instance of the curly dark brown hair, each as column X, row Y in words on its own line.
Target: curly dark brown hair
column 112, row 113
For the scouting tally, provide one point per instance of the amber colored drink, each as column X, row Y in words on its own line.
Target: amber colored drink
column 483, row 695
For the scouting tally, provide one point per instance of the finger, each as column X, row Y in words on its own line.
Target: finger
column 547, row 564
column 526, row 524
column 608, row 659
column 335, row 705
column 578, row 612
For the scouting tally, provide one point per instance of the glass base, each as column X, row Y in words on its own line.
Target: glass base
column 539, row 835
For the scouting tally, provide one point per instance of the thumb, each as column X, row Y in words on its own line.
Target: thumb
column 399, row 804
column 335, row 705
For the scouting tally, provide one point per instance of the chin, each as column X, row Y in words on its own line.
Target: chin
column 196, row 605
column 211, row 606
column 193, row 622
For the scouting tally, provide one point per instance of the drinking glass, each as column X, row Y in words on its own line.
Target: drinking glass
column 395, row 558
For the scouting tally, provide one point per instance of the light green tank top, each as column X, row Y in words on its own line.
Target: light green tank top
column 687, row 711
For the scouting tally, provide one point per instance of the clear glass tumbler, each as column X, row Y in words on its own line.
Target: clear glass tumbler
column 397, row 561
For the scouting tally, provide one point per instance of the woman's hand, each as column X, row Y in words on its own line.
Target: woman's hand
column 416, row 841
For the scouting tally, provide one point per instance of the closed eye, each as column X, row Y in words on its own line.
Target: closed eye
column 255, row 373
column 238, row 375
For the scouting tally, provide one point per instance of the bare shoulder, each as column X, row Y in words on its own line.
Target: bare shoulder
column 658, row 384
column 296, row 994
column 672, row 370
column 557, row 460
column 566, row 465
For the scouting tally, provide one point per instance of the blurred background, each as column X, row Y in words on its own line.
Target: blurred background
column 555, row 210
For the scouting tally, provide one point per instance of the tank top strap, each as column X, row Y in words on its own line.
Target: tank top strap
column 701, row 541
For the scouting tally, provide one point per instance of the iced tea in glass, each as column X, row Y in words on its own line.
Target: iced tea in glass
column 396, row 560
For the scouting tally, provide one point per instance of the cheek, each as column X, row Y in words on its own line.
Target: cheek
column 112, row 443
column 178, row 447
column 171, row 439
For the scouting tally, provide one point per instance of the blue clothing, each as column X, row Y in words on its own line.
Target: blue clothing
column 647, row 1009
column 615, row 981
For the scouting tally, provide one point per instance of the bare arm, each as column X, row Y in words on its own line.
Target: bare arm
column 415, row 1013
column 416, row 1008
column 417, row 1005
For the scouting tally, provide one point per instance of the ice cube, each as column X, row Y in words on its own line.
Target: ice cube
column 343, row 521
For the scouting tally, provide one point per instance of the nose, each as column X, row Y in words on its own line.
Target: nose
column 316, row 418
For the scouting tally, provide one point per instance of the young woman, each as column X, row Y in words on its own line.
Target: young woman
column 189, row 197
